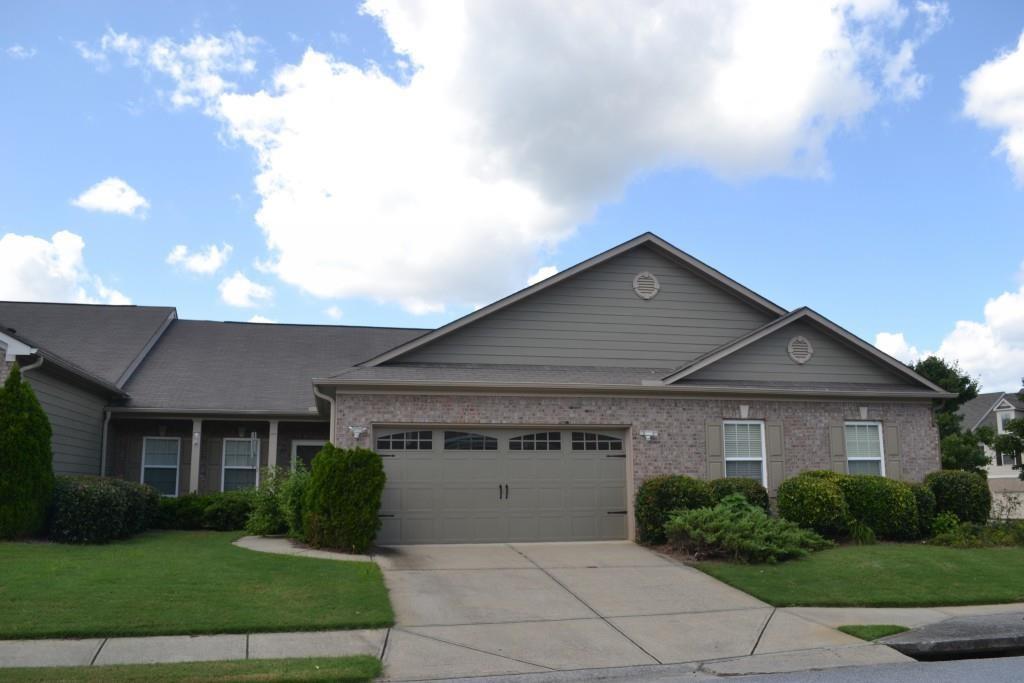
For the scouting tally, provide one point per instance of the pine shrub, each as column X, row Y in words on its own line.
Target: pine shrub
column 748, row 488
column 26, row 459
column 660, row 496
column 343, row 499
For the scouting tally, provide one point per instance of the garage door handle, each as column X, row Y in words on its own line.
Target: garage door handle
column 499, row 492
column 506, row 491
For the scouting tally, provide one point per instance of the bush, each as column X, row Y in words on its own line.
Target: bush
column 662, row 495
column 754, row 493
column 267, row 517
column 965, row 494
column 925, row 509
column 815, row 503
column 228, row 511
column 142, row 505
column 343, row 499
column 886, row 506
column 736, row 530
column 828, row 475
column 945, row 523
column 969, row 535
column 293, row 500
column 26, row 459
column 88, row 510
column 184, row 512
column 861, row 533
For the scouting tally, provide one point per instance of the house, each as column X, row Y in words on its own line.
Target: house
column 533, row 418
column 994, row 410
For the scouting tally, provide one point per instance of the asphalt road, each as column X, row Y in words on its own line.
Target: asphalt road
column 996, row 670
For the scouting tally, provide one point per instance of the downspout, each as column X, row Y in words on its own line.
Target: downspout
column 103, row 444
column 32, row 366
column 330, row 402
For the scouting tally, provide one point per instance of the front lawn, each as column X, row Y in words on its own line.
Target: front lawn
column 346, row 669
column 180, row 582
column 884, row 575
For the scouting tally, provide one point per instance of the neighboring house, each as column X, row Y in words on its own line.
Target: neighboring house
column 534, row 418
column 994, row 410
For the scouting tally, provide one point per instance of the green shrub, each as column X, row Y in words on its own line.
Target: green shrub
column 267, row 517
column 184, row 512
column 828, row 475
column 26, row 459
column 343, row 499
column 965, row 494
column 944, row 523
column 88, row 510
column 888, row 507
column 293, row 500
column 971, row 535
column 815, row 503
column 861, row 533
column 748, row 488
column 228, row 511
column 662, row 495
column 142, row 504
column 736, row 530
column 925, row 509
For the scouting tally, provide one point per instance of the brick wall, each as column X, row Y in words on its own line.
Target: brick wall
column 680, row 423
column 5, row 369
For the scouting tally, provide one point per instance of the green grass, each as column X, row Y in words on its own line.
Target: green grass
column 884, row 575
column 361, row 668
column 180, row 582
column 872, row 631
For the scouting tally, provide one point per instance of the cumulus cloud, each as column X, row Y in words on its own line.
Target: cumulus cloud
column 36, row 269
column 240, row 291
column 900, row 74
column 542, row 273
column 261, row 319
column 17, row 51
column 994, row 98
column 895, row 344
column 112, row 195
column 205, row 261
column 503, row 126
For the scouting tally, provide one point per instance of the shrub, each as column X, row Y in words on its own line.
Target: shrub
column 662, row 495
column 343, row 499
column 26, row 459
column 88, row 510
column 944, row 523
column 963, row 493
column 815, row 503
column 293, row 500
column 970, row 535
column 861, row 533
column 141, row 505
column 827, row 475
column 748, row 488
column 736, row 530
column 886, row 506
column 267, row 517
column 925, row 509
column 228, row 511
column 184, row 512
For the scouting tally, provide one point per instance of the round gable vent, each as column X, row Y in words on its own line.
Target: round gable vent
column 800, row 350
column 646, row 285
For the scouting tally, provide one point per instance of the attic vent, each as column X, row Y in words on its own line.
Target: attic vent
column 646, row 285
column 800, row 350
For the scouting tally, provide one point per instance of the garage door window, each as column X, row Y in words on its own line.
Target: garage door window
column 468, row 441
column 592, row 441
column 406, row 441
column 541, row 441
column 744, row 450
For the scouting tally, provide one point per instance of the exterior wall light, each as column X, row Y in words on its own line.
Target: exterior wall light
column 648, row 435
column 356, row 431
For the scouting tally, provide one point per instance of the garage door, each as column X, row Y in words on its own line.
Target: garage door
column 487, row 486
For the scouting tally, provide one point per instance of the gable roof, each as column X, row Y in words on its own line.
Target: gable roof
column 64, row 366
column 647, row 239
column 975, row 411
column 107, row 342
column 805, row 314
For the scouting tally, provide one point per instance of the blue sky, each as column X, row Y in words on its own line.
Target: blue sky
column 412, row 165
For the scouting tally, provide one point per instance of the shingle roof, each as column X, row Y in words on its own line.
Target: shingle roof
column 105, row 341
column 205, row 366
column 975, row 410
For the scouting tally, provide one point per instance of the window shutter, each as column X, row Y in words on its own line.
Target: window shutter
column 891, row 438
column 837, row 440
column 716, row 460
column 776, row 456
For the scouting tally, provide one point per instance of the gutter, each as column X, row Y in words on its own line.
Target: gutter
column 32, row 366
column 330, row 402
column 103, row 442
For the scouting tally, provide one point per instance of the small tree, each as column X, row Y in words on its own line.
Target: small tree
column 26, row 459
column 963, row 451
column 950, row 377
column 1012, row 442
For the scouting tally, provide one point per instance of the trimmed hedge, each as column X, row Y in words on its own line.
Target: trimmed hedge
column 99, row 510
column 227, row 511
column 343, row 499
column 660, row 496
column 814, row 502
column 965, row 494
column 925, row 509
column 26, row 460
column 751, row 490
column 886, row 506
column 292, row 500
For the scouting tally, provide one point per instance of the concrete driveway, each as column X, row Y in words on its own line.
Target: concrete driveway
column 481, row 610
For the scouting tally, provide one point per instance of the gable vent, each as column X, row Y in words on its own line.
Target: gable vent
column 800, row 350
column 646, row 285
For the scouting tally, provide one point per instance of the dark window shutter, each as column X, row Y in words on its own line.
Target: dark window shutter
column 714, row 453
column 837, row 441
column 891, row 437
column 774, row 445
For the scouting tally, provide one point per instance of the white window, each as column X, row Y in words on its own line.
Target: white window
column 743, row 444
column 240, row 469
column 864, row 448
column 1002, row 419
column 160, row 457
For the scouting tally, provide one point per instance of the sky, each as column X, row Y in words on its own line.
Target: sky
column 401, row 164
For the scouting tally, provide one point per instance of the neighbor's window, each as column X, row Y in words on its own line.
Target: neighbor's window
column 864, row 448
column 241, row 464
column 1002, row 419
column 160, row 463
column 743, row 445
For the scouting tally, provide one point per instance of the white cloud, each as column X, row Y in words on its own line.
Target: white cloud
column 17, row 51
column 506, row 129
column 238, row 290
column 206, row 261
column 899, row 73
column 895, row 344
column 261, row 319
column 542, row 273
column 994, row 98
column 36, row 269
column 333, row 312
column 112, row 195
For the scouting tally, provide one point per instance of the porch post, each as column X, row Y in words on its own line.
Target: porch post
column 197, row 441
column 272, row 445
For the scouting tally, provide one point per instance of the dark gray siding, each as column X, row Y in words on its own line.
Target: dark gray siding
column 595, row 319
column 767, row 360
column 124, row 448
column 76, row 418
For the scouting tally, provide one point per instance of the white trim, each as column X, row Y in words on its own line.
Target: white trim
column 1004, row 415
column 195, row 455
column 304, row 442
column 177, row 463
column 13, row 348
column 764, row 451
column 881, row 445
column 223, row 458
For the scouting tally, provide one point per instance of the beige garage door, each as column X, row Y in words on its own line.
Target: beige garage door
column 493, row 485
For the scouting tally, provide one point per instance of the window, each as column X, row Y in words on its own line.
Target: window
column 406, row 441
column 592, row 441
column 240, row 469
column 743, row 446
column 864, row 448
column 304, row 451
column 1002, row 419
column 467, row 441
column 160, row 463
column 541, row 441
